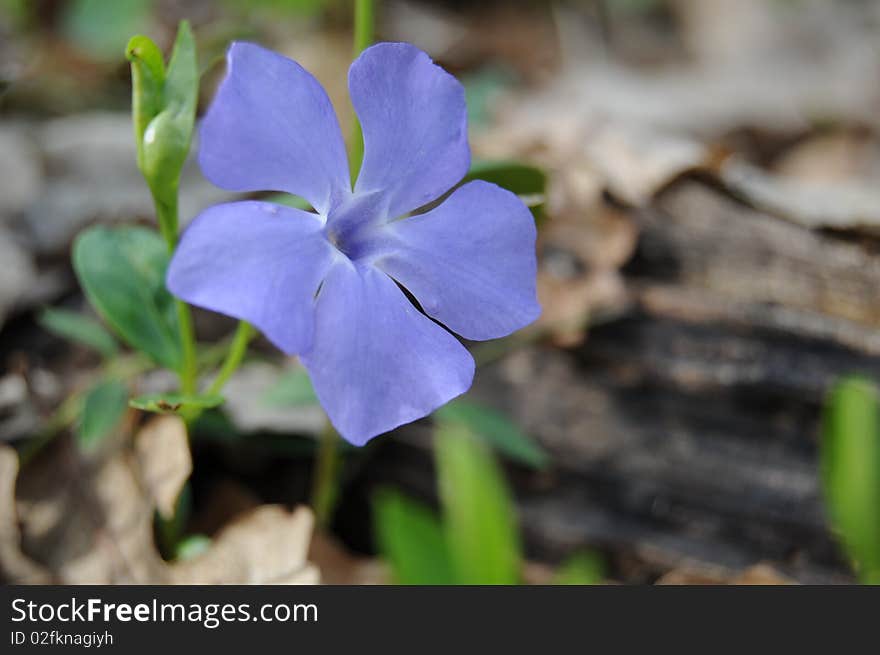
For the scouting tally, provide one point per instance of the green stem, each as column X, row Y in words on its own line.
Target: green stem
column 325, row 474
column 166, row 215
column 237, row 349
column 189, row 367
column 364, row 27
column 871, row 577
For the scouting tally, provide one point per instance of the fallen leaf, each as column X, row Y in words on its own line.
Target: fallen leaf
column 268, row 545
column 758, row 574
column 87, row 520
column 339, row 566
column 90, row 521
column 15, row 566
column 164, row 460
column 814, row 205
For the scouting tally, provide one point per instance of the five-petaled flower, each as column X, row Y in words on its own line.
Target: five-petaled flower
column 327, row 285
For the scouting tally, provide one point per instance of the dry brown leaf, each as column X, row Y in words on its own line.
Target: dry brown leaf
column 15, row 566
column 635, row 162
column 835, row 157
column 579, row 275
column 266, row 546
column 164, row 460
column 339, row 566
column 87, row 521
column 91, row 522
column 759, row 574
column 808, row 203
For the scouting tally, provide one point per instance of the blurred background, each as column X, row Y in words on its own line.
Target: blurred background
column 706, row 179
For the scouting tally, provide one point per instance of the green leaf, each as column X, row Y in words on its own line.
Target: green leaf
column 584, row 568
column 147, row 83
column 167, row 137
column 850, row 462
column 411, row 539
column 192, row 546
column 497, row 430
column 103, row 409
column 76, row 327
column 289, row 200
column 174, row 403
column 291, row 389
column 528, row 182
column 122, row 271
column 100, row 28
column 478, row 512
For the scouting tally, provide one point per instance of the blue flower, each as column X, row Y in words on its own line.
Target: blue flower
column 327, row 285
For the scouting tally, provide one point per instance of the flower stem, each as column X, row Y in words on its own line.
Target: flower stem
column 237, row 349
column 324, row 479
column 166, row 215
column 364, row 27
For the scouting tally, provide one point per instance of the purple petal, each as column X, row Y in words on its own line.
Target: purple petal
column 377, row 362
column 271, row 127
column 415, row 126
column 470, row 262
column 256, row 261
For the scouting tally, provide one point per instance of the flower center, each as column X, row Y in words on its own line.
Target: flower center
column 351, row 224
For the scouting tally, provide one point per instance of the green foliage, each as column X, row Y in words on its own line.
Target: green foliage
column 476, row 542
column 191, row 546
column 495, row 429
column 122, row 271
column 289, row 200
column 412, row 540
column 479, row 519
column 528, row 182
column 148, row 80
column 169, row 529
column 76, row 327
column 100, row 27
column 175, row 403
column 102, row 410
column 164, row 106
column 584, row 568
column 851, row 472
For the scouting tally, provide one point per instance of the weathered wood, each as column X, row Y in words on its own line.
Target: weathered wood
column 686, row 433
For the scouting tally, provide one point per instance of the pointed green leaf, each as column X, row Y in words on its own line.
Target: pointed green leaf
column 167, row 137
column 497, row 430
column 411, row 539
column 122, row 271
column 192, row 546
column 528, row 182
column 103, row 409
column 289, row 200
column 584, row 568
column 850, row 463
column 174, row 403
column 79, row 328
column 478, row 513
column 182, row 78
column 147, row 82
